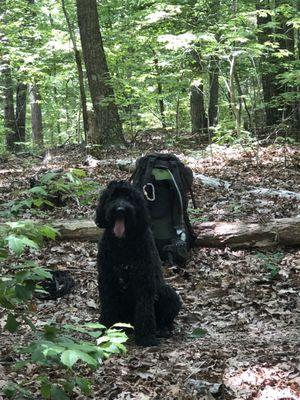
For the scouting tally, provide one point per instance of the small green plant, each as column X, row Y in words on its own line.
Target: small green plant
column 284, row 140
column 20, row 277
column 55, row 189
column 59, row 346
column 270, row 262
column 226, row 134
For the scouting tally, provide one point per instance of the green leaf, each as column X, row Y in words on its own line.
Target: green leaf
column 94, row 325
column 85, row 346
column 50, row 349
column 30, row 243
column 81, row 173
column 103, row 339
column 58, row 394
column 68, row 385
column 111, row 348
column 15, row 391
column 198, row 333
column 87, row 329
column 122, row 325
column 23, row 293
column 15, row 244
column 50, row 331
column 48, row 176
column 121, row 347
column 48, row 232
column 94, row 334
column 88, row 359
column 46, row 390
column 15, row 225
column 12, row 324
column 38, row 202
column 6, row 303
column 69, row 358
column 48, row 202
column 39, row 190
column 84, row 385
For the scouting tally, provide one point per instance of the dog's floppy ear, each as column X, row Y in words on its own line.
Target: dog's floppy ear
column 100, row 219
column 100, row 211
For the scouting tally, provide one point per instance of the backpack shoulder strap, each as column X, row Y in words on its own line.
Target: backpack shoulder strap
column 149, row 167
column 143, row 171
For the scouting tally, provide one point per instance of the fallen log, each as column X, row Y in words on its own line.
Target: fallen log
column 284, row 231
column 239, row 234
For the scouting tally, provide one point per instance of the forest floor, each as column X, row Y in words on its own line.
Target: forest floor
column 245, row 302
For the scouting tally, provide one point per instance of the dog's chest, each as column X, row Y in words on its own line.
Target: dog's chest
column 124, row 274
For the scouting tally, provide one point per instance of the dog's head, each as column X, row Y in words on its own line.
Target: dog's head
column 122, row 210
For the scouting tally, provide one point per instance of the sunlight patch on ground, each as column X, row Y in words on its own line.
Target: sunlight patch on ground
column 263, row 383
column 8, row 171
column 5, row 172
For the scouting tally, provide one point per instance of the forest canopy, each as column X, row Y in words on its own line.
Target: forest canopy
column 226, row 70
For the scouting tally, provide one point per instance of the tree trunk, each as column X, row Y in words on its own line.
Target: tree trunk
column 242, row 98
column 79, row 72
column 7, row 85
column 197, row 109
column 9, row 112
column 285, row 231
column 214, row 17
column 21, row 111
column 36, row 116
column 106, row 112
column 159, row 91
column 213, row 92
column 234, row 103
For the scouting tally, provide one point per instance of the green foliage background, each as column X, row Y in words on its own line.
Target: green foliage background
column 36, row 40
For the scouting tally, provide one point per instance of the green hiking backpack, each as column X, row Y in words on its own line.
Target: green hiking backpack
column 165, row 182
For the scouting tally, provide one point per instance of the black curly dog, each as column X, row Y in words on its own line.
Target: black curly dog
column 131, row 285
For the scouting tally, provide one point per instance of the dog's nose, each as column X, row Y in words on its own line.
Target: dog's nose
column 120, row 210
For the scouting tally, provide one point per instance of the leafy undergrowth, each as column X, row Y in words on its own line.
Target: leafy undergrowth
column 237, row 336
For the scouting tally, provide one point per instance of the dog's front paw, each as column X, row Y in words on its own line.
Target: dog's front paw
column 147, row 341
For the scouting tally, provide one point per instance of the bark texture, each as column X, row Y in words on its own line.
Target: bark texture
column 213, row 92
column 197, row 109
column 9, row 112
column 21, row 111
column 36, row 116
column 102, row 94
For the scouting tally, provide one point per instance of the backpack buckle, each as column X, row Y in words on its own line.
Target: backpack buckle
column 149, row 187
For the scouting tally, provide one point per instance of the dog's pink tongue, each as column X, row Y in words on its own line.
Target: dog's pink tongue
column 119, row 228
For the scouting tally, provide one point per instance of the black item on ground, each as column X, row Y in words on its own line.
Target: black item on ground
column 59, row 285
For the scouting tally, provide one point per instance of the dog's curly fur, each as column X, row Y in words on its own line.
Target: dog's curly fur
column 131, row 285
